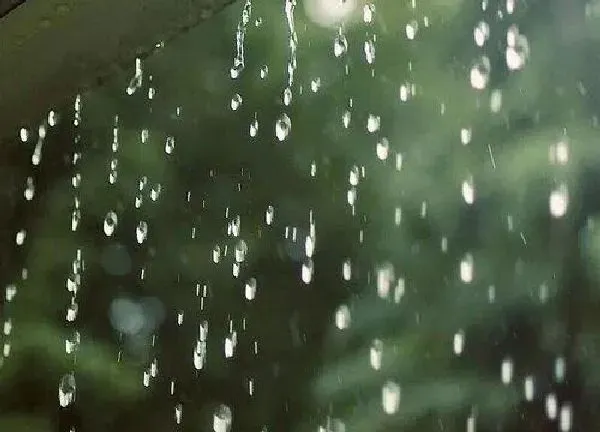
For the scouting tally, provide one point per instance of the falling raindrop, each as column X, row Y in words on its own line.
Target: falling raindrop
column 66, row 390
column 250, row 289
column 369, row 48
column 376, row 354
column 342, row 317
column 141, row 232
column 559, row 201
column 411, row 29
column 480, row 73
column 169, row 145
column 340, row 44
column 110, row 223
column 241, row 248
column 307, row 271
column 481, row 33
column 236, row 102
column 283, row 125
column 269, row 215
column 507, row 371
column 385, row 279
column 459, row 342
column 222, row 419
column 383, row 148
column 287, row 96
column 264, row 71
column 466, row 268
column 373, row 123
column 390, row 395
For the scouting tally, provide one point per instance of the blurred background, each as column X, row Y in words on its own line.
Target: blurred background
column 315, row 215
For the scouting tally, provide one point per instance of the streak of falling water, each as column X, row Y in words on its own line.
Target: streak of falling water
column 110, row 223
column 283, row 126
column 239, row 60
column 137, row 80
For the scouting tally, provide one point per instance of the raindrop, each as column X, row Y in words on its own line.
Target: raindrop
column 287, row 96
column 459, row 342
column 368, row 11
column 200, row 354
column 369, row 49
column 66, row 390
column 566, row 417
column 376, row 354
column 466, row 268
column 529, row 388
column 385, row 279
column 559, row 201
column 254, row 127
column 354, row 175
column 216, row 254
column 270, row 215
column 480, row 73
column 178, row 413
column 72, row 344
column 24, row 135
column 141, row 232
column 507, row 371
column 222, row 419
column 250, row 289
column 283, row 125
column 340, row 44
column 373, row 123
column 315, row 85
column 468, row 191
column 236, row 102
column 264, row 71
column 347, row 270
column 390, row 397
column 551, row 405
column 481, row 33
column 465, row 136
column 346, row 117
column 517, row 50
column 411, row 29
column 241, row 248
column 342, row 317
column 383, row 149
column 10, row 292
column 110, row 223
column 307, row 271
column 169, row 145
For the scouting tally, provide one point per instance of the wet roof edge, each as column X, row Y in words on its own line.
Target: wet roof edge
column 52, row 49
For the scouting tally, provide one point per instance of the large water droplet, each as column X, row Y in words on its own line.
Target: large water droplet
column 110, row 223
column 222, row 419
column 66, row 390
column 283, row 125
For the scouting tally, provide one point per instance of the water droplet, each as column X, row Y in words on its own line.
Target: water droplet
column 459, row 342
column 110, row 223
column 376, row 354
column 287, row 96
column 383, row 149
column 551, row 405
column 250, row 289
column 559, row 201
column 315, row 85
column 66, row 390
column 10, row 292
column 390, row 397
column 340, row 45
column 373, row 123
column 346, row 117
column 141, row 232
column 169, row 145
column 283, row 125
column 342, row 317
column 529, row 388
column 222, row 419
column 200, row 354
column 368, row 11
column 216, row 254
column 270, row 215
column 369, row 49
column 465, row 136
column 347, row 270
column 517, row 50
column 411, row 29
column 507, row 371
column 480, row 73
column 24, row 135
column 254, row 127
column 236, row 102
column 468, row 191
column 566, row 417
column 241, row 249
column 385, row 279
column 264, row 71
column 178, row 413
column 481, row 33
column 307, row 271
column 466, row 268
